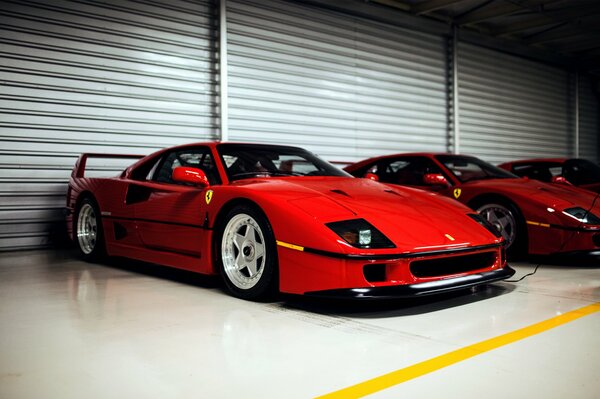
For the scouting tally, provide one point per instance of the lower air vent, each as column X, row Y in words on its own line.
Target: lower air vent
column 452, row 265
column 374, row 273
column 120, row 231
column 596, row 239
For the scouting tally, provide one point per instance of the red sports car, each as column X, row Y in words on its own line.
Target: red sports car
column 577, row 172
column 270, row 218
column 533, row 217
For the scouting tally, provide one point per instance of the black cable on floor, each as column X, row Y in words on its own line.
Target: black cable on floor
column 525, row 276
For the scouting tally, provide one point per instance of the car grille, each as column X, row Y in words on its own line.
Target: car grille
column 452, row 265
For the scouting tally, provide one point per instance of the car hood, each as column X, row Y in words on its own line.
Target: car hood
column 411, row 218
column 556, row 196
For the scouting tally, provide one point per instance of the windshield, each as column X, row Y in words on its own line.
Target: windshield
column 469, row 168
column 581, row 171
column 243, row 161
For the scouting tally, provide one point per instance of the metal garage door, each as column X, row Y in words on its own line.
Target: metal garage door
column 512, row 108
column 589, row 121
column 111, row 76
column 343, row 87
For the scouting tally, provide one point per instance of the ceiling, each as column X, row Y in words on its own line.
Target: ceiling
column 568, row 28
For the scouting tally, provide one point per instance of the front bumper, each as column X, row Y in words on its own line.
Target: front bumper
column 418, row 289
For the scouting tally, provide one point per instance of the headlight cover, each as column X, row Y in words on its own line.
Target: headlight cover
column 360, row 233
column 485, row 223
column 582, row 215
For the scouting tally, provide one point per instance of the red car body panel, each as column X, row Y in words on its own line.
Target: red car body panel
column 548, row 231
column 174, row 225
column 547, row 163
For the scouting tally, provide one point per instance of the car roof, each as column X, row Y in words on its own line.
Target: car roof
column 536, row 160
column 367, row 161
column 413, row 154
column 210, row 144
column 214, row 143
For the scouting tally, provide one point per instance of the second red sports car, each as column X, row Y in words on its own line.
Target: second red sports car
column 533, row 217
column 270, row 218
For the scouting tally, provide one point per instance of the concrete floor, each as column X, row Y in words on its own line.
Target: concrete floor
column 126, row 329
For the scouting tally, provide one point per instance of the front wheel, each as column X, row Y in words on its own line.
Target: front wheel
column 509, row 221
column 247, row 255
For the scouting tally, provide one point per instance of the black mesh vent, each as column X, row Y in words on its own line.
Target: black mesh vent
column 374, row 273
column 596, row 239
column 452, row 265
column 120, row 231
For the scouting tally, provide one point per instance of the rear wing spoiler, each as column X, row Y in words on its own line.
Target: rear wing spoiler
column 79, row 168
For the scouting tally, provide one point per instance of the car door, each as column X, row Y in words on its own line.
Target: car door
column 171, row 216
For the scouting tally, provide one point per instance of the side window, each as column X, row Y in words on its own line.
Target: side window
column 144, row 171
column 362, row 171
column 523, row 170
column 397, row 166
column 200, row 158
column 406, row 171
column 555, row 170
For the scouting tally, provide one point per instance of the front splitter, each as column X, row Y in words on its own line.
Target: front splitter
column 416, row 290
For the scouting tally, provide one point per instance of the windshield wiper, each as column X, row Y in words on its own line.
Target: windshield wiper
column 266, row 173
column 286, row 174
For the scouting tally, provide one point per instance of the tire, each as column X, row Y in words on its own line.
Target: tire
column 508, row 217
column 247, row 254
column 89, row 235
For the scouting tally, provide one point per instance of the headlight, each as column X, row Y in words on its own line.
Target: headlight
column 582, row 215
column 497, row 231
column 360, row 233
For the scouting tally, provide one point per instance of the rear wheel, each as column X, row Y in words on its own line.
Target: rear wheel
column 89, row 235
column 247, row 255
column 507, row 218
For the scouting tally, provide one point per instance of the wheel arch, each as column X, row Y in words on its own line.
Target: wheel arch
column 489, row 197
column 502, row 199
column 83, row 195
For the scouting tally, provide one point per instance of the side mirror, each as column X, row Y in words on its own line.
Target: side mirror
column 560, row 180
column 184, row 174
column 434, row 179
column 371, row 176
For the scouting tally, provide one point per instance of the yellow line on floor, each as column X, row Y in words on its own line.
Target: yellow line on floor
column 428, row 366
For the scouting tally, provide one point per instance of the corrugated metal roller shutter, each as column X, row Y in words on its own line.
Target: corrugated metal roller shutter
column 589, row 121
column 512, row 108
column 87, row 76
column 343, row 87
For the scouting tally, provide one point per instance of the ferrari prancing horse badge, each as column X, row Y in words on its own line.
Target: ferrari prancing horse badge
column 457, row 192
column 208, row 197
